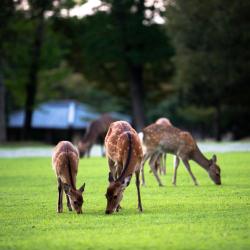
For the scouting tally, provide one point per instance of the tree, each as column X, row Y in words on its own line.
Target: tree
column 212, row 66
column 121, row 47
column 7, row 9
column 37, row 10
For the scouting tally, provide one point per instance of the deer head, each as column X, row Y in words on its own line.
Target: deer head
column 214, row 171
column 75, row 197
column 82, row 148
column 114, row 193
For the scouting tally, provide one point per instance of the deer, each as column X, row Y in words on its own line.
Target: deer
column 124, row 154
column 160, row 162
column 65, row 160
column 96, row 131
column 158, row 139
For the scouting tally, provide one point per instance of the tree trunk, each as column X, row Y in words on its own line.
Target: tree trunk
column 135, row 72
column 137, row 95
column 2, row 109
column 31, row 87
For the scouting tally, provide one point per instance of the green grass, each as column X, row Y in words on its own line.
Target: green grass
column 182, row 217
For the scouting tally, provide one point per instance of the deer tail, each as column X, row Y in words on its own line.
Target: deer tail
column 129, row 137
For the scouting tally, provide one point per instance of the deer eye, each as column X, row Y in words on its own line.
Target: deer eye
column 115, row 197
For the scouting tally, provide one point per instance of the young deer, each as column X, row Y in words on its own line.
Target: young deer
column 158, row 139
column 65, row 164
column 124, row 153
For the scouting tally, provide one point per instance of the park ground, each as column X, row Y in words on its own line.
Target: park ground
column 181, row 217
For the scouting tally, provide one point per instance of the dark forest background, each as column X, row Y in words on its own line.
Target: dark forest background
column 193, row 68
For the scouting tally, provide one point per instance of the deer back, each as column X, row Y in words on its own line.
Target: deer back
column 168, row 139
column 123, row 147
column 65, row 162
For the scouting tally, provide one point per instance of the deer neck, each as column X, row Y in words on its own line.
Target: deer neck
column 200, row 158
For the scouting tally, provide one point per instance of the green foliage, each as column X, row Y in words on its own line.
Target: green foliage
column 63, row 83
column 182, row 217
column 17, row 54
column 212, row 66
column 111, row 44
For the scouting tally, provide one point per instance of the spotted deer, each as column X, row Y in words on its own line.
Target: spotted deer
column 160, row 162
column 124, row 153
column 158, row 139
column 65, row 160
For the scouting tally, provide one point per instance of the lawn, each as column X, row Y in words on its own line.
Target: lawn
column 182, row 217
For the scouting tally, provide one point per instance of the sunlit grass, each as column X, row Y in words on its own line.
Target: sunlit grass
column 182, row 217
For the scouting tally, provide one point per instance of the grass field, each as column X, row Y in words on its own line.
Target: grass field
column 182, row 217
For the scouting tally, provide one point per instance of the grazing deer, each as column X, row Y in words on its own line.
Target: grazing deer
column 65, row 164
column 158, row 139
column 124, row 153
column 96, row 130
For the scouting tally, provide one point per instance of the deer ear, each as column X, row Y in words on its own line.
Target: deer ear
column 67, row 189
column 81, row 189
column 214, row 158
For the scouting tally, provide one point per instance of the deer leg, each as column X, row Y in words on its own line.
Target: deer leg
column 137, row 182
column 176, row 165
column 190, row 172
column 157, row 164
column 161, row 164
column 152, row 165
column 146, row 156
column 164, row 167
column 68, row 203
column 111, row 169
column 60, row 196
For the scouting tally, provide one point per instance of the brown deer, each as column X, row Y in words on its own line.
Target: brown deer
column 158, row 139
column 162, row 159
column 160, row 162
column 65, row 164
column 124, row 153
column 96, row 131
